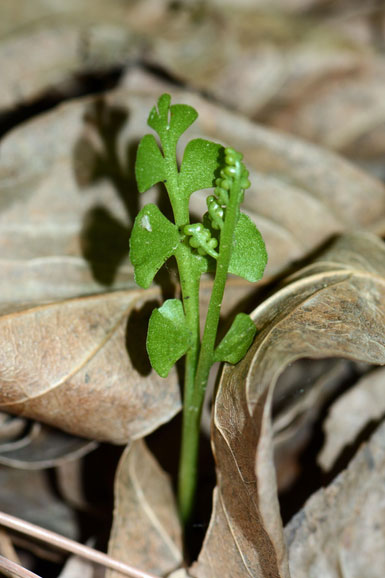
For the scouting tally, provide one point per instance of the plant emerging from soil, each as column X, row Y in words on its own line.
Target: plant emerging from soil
column 226, row 241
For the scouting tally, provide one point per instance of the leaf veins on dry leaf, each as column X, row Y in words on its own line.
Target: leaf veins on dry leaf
column 67, row 364
column 333, row 308
column 146, row 532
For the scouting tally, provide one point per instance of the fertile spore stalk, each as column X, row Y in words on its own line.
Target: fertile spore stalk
column 227, row 241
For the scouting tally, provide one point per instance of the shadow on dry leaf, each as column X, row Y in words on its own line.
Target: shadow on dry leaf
column 104, row 238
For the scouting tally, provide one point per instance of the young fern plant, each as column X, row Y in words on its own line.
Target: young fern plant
column 226, row 241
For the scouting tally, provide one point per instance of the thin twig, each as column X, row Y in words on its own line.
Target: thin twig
column 70, row 546
column 16, row 569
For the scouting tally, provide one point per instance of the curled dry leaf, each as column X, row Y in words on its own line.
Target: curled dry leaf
column 359, row 407
column 332, row 308
column 67, row 364
column 340, row 531
column 43, row 447
column 76, row 566
column 146, row 531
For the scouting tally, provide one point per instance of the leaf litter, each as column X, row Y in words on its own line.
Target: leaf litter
column 329, row 195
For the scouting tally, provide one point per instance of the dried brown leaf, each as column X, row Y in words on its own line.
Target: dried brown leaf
column 67, row 364
column 313, row 75
column 332, row 308
column 146, row 532
column 340, row 531
column 43, row 447
column 30, row 496
column 60, row 45
column 39, row 280
column 350, row 414
column 346, row 115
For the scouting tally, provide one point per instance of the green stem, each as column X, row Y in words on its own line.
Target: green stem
column 189, row 281
column 193, row 408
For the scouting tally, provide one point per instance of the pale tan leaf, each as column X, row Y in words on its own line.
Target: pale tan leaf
column 146, row 532
column 332, row 308
column 53, row 278
column 60, row 44
column 350, row 414
column 181, row 573
column 79, row 567
column 346, row 115
column 340, row 531
column 11, row 428
column 7, row 548
column 67, row 364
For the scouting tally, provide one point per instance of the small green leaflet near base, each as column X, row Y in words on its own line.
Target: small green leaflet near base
column 168, row 336
column 237, row 340
column 249, row 255
column 153, row 240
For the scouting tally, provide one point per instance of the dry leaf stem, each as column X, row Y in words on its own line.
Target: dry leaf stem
column 70, row 546
column 13, row 569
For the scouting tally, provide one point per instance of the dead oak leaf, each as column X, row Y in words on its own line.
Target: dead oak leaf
column 67, row 364
column 333, row 308
column 146, row 531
